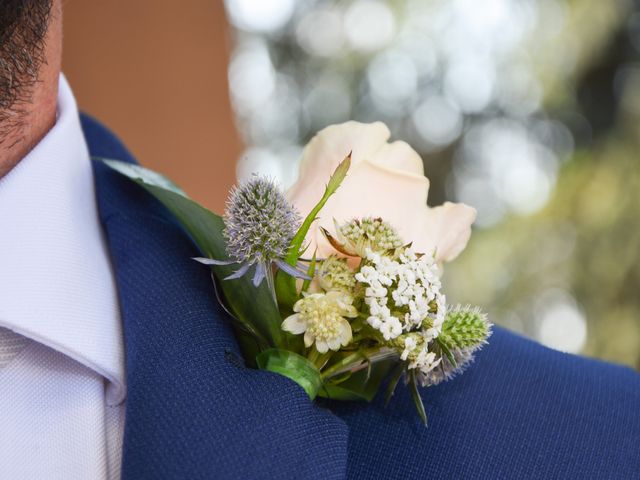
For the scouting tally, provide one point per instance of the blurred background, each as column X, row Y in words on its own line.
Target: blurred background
column 528, row 110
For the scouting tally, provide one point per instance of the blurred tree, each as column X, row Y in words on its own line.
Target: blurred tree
column 586, row 242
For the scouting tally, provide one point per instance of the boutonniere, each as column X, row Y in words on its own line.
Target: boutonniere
column 336, row 283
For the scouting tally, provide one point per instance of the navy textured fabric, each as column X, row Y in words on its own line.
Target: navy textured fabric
column 193, row 410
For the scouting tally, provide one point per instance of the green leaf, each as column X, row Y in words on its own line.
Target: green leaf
column 417, row 399
column 293, row 366
column 445, row 349
column 248, row 303
column 393, row 382
column 149, row 177
column 286, row 285
column 334, row 183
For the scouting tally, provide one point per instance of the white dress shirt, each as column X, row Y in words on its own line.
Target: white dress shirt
column 62, row 395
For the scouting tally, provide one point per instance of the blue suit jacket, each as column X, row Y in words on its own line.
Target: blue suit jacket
column 194, row 411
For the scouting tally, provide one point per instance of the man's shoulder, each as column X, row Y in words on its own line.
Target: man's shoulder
column 509, row 354
column 520, row 411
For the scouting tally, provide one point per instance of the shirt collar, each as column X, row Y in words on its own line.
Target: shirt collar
column 56, row 282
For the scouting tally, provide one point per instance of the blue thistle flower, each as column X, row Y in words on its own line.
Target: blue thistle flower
column 259, row 226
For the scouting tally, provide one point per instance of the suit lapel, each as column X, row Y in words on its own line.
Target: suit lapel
column 193, row 409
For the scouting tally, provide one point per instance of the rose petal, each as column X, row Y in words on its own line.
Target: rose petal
column 331, row 144
column 399, row 156
column 385, row 180
column 326, row 150
column 445, row 229
column 371, row 190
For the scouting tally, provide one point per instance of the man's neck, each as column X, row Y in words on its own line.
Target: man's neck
column 25, row 133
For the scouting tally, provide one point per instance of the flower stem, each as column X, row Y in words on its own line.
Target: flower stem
column 270, row 282
column 313, row 355
column 343, row 365
column 358, row 361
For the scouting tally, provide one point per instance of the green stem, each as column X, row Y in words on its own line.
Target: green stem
column 270, row 282
column 277, row 334
column 343, row 365
column 313, row 355
column 358, row 361
column 323, row 359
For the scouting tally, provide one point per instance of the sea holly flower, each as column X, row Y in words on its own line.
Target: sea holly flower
column 335, row 275
column 259, row 225
column 322, row 317
column 464, row 331
column 359, row 235
column 402, row 294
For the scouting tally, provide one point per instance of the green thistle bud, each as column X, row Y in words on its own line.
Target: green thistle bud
column 335, row 275
column 465, row 327
column 464, row 331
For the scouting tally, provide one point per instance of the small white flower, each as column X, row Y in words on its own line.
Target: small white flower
column 415, row 352
column 403, row 294
column 424, row 362
column 409, row 345
column 322, row 317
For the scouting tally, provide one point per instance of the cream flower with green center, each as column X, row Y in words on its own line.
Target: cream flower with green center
column 359, row 235
column 322, row 317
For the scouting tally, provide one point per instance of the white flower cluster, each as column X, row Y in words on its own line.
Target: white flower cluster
column 419, row 357
column 403, row 294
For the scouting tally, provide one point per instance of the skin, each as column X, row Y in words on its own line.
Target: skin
column 22, row 128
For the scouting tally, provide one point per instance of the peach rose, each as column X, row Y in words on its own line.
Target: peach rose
column 385, row 180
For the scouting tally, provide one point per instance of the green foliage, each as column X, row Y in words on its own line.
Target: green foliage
column 293, row 366
column 311, row 271
column 361, row 385
column 205, row 228
column 417, row 399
